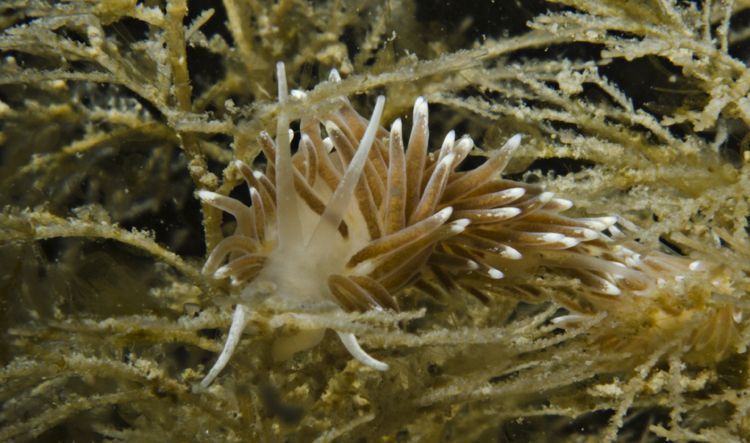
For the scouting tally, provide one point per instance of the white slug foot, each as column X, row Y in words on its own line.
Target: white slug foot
column 351, row 345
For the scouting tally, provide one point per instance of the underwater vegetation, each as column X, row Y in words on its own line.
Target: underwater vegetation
column 539, row 235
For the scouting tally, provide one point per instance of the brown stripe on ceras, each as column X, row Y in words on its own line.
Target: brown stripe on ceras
column 311, row 162
column 497, row 191
column 346, row 146
column 231, row 244
column 555, row 219
column 326, row 169
column 348, row 295
column 578, row 232
column 349, row 120
column 486, row 246
column 379, row 159
column 482, row 267
column 243, row 214
column 429, row 286
column 452, row 272
column 459, row 148
column 520, row 239
column 416, row 157
column 369, row 210
column 379, row 293
column 491, row 199
column 433, row 192
column 503, row 288
column 242, row 269
column 375, row 169
column 595, row 282
column 259, row 214
column 394, row 207
column 405, row 272
column 401, row 260
column 574, row 302
column 581, row 259
column 468, row 181
column 531, row 203
column 399, row 239
column 357, row 125
column 268, row 146
column 360, row 293
column 488, row 215
column 445, row 280
column 452, row 262
column 264, row 187
column 310, row 129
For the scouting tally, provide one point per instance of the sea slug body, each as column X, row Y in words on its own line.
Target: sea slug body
column 354, row 215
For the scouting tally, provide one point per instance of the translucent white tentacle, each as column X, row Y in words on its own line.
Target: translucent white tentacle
column 351, row 345
column 290, row 227
column 337, row 205
column 239, row 320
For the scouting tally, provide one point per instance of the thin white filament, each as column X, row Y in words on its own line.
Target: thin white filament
column 351, row 345
column 290, row 227
column 341, row 198
column 239, row 320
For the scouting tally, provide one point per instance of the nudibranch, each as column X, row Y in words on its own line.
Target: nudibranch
column 355, row 215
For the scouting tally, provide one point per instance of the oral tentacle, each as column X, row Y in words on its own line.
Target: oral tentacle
column 239, row 320
column 352, row 345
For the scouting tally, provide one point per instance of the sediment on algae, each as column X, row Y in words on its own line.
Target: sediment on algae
column 115, row 113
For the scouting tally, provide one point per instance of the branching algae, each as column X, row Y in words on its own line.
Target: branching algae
column 584, row 280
